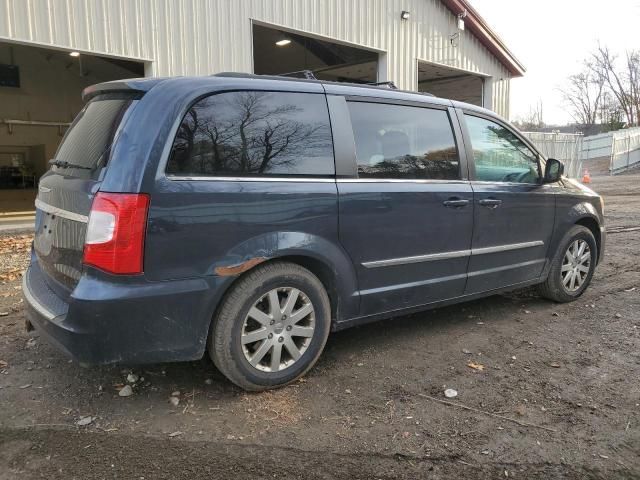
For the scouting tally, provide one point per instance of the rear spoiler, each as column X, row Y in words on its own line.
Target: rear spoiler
column 135, row 86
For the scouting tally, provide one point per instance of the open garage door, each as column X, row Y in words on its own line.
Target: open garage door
column 40, row 95
column 450, row 83
column 276, row 52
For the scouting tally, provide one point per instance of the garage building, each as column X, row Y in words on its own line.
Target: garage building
column 50, row 51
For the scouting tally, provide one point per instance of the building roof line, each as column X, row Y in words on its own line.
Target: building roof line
column 490, row 39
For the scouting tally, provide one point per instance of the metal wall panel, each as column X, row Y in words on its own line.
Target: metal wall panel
column 200, row 37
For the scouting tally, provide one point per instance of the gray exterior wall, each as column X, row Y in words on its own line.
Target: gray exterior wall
column 201, row 37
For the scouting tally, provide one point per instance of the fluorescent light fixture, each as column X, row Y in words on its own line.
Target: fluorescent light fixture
column 74, row 54
column 405, row 15
column 283, row 40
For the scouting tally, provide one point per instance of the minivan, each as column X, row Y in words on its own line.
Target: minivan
column 248, row 216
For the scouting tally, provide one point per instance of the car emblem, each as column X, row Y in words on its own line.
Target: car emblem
column 43, row 189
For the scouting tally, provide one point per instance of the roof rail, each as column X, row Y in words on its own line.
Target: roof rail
column 388, row 84
column 308, row 74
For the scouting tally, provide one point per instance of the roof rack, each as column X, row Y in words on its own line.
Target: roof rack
column 308, row 74
column 388, row 84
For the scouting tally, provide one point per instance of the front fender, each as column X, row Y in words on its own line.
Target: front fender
column 275, row 245
column 571, row 211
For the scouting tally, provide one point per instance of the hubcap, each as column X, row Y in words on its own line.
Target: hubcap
column 576, row 265
column 278, row 329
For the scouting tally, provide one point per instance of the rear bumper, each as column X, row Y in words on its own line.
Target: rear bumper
column 133, row 321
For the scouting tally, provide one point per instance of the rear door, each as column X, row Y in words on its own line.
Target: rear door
column 65, row 192
column 406, row 219
column 513, row 211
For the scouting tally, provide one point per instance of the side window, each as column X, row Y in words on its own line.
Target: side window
column 499, row 155
column 253, row 134
column 397, row 141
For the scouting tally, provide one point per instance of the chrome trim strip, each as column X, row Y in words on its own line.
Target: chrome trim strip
column 413, row 284
column 399, row 180
column 197, row 178
column 477, row 273
column 505, row 248
column 497, row 182
column 417, row 259
column 453, row 254
column 37, row 306
column 45, row 207
column 181, row 178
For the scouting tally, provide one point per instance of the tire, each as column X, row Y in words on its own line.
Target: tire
column 245, row 319
column 554, row 287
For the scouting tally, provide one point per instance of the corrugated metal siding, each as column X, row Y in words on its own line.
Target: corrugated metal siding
column 199, row 37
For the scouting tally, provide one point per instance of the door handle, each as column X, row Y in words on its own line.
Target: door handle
column 490, row 202
column 455, row 202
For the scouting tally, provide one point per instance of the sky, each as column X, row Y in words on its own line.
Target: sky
column 552, row 38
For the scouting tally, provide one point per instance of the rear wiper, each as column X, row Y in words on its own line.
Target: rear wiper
column 65, row 164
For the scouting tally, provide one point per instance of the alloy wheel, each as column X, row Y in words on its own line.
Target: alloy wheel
column 278, row 329
column 576, row 265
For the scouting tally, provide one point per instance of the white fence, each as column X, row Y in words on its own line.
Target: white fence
column 625, row 150
column 597, row 146
column 566, row 147
column 616, row 151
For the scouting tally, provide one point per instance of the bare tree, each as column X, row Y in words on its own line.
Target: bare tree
column 246, row 132
column 611, row 114
column 583, row 95
column 534, row 119
column 623, row 82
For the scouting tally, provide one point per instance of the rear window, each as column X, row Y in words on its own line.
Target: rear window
column 87, row 144
column 254, row 134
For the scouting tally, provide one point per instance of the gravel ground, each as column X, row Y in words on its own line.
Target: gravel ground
column 558, row 395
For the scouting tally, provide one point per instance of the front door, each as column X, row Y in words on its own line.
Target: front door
column 406, row 221
column 513, row 211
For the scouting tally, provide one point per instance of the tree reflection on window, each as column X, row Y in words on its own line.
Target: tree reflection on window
column 254, row 133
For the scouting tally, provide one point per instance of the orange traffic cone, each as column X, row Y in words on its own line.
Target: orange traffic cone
column 586, row 176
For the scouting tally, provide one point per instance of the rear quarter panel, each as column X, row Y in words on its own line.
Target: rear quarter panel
column 200, row 228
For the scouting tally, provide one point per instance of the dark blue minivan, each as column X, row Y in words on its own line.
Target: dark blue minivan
column 249, row 216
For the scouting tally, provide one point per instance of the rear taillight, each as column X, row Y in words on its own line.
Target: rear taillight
column 115, row 233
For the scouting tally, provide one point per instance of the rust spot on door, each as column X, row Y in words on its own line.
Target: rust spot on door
column 239, row 268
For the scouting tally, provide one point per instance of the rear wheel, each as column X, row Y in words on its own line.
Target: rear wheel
column 572, row 266
column 272, row 327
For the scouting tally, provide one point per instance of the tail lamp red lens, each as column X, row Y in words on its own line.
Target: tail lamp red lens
column 116, row 231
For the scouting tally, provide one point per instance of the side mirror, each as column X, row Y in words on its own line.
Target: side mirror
column 553, row 171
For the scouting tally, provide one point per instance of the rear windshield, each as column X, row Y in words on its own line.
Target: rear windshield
column 87, row 144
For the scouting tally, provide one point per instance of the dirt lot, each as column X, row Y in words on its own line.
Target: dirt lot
column 561, row 383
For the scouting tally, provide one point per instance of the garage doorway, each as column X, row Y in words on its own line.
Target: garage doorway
column 40, row 94
column 276, row 52
column 451, row 83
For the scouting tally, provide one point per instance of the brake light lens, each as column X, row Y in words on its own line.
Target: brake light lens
column 116, row 231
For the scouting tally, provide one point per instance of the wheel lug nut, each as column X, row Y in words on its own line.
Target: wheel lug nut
column 271, row 335
column 281, row 339
column 284, row 317
column 289, row 328
column 272, row 322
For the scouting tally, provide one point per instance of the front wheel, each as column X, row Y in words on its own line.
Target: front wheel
column 272, row 326
column 572, row 266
